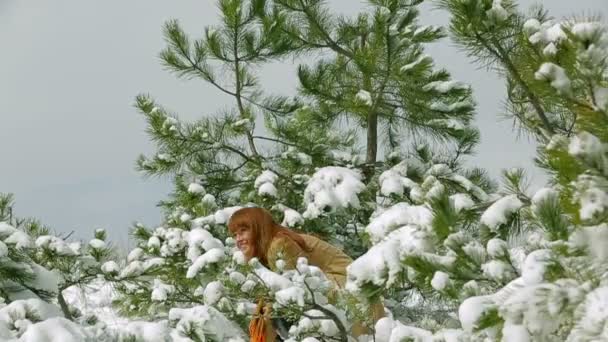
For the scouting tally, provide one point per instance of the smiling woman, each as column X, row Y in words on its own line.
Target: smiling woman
column 259, row 236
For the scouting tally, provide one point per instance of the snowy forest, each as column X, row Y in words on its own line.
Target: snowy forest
column 370, row 156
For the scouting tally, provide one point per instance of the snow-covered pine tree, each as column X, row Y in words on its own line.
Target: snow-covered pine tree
column 532, row 267
column 221, row 162
column 372, row 69
column 35, row 268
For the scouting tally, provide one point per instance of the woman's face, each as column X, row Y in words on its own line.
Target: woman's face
column 244, row 240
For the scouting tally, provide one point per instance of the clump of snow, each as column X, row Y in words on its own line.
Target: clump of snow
column 445, row 86
column 365, row 97
column 20, row 239
column 381, row 264
column 420, row 60
column 291, row 295
column 265, row 183
column 110, row 267
column 594, row 239
column 531, row 26
column 160, row 290
column 440, row 281
column 209, row 323
column 535, row 266
column 497, row 13
column 497, row 248
column 97, row 244
column 556, row 75
column 592, row 324
column 291, row 218
column 212, row 256
column 332, row 188
column 601, row 98
column 195, row 188
column 399, row 215
column 472, row 309
column 548, row 32
column 56, row 329
column 499, row 212
column 461, row 202
column 213, row 292
column 586, row 145
column 497, row 270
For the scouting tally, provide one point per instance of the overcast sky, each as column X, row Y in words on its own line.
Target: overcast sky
column 69, row 72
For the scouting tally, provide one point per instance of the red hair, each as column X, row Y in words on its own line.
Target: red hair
column 263, row 228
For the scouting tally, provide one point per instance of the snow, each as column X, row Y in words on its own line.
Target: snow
column 586, row 145
column 290, row 295
column 461, row 202
column 3, row 250
column 154, row 242
column 497, row 270
column 472, row 309
column 146, row 331
column 535, row 266
column 497, row 13
column 399, row 215
column 498, row 213
column 21, row 309
column 445, row 86
column 449, row 108
column 515, row 333
column 556, row 75
column 212, row 256
column 381, row 264
column 213, row 292
column 332, row 187
column 56, row 329
column 136, row 254
column 601, row 98
column 531, row 26
column 273, row 281
column 550, row 50
column 421, row 59
column 543, row 195
column 266, row 176
column 586, row 31
column 208, row 322
column 365, row 97
column 548, row 32
column 208, row 199
column 268, row 189
column 195, row 188
column 497, row 248
column 160, row 290
column 239, row 258
column 199, row 239
column 97, row 244
column 20, row 239
column 6, row 230
column 594, row 240
column 592, row 325
column 440, row 280
column 291, row 218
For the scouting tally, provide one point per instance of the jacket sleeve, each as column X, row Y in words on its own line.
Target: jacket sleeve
column 284, row 249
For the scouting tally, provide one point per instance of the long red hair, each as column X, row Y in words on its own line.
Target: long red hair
column 264, row 229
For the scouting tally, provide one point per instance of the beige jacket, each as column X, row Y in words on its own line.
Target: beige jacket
column 331, row 260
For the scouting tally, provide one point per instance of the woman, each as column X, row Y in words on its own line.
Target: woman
column 258, row 235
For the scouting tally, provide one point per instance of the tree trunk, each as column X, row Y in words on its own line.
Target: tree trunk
column 372, row 144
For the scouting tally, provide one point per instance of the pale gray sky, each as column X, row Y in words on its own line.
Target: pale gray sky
column 70, row 69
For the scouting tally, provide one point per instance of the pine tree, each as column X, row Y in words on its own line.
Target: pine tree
column 372, row 69
column 530, row 268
